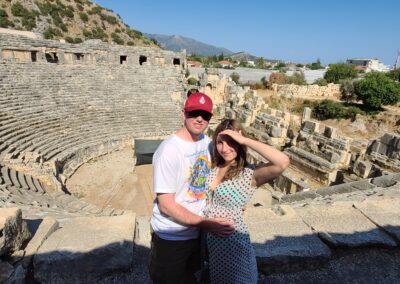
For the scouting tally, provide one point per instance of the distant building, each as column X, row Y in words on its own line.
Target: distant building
column 368, row 64
column 251, row 63
column 225, row 63
column 195, row 64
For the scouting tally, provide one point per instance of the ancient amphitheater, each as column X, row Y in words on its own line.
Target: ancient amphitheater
column 65, row 106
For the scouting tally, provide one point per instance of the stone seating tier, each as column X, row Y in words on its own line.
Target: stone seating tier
column 66, row 103
column 18, row 189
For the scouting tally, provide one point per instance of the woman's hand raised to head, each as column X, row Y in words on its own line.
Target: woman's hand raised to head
column 235, row 135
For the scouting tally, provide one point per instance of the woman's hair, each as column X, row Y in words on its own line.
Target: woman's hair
column 240, row 160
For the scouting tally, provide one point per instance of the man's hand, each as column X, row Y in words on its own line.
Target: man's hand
column 220, row 227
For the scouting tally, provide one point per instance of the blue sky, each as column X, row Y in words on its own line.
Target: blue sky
column 294, row 30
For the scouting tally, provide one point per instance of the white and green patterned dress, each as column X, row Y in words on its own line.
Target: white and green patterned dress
column 231, row 260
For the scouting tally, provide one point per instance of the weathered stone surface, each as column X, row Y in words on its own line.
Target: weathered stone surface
column 384, row 181
column 362, row 185
column 336, row 189
column 13, row 230
column 362, row 168
column 46, row 228
column 283, row 241
column 385, row 213
column 262, row 197
column 299, row 196
column 86, row 250
column 341, row 225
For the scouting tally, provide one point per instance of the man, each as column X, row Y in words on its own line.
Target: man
column 181, row 164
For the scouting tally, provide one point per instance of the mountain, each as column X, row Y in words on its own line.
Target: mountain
column 244, row 56
column 176, row 43
column 73, row 21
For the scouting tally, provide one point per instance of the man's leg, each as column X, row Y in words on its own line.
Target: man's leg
column 173, row 261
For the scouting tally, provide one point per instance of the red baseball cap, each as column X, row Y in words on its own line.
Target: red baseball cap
column 199, row 101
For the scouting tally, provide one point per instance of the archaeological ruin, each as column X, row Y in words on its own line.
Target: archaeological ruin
column 65, row 107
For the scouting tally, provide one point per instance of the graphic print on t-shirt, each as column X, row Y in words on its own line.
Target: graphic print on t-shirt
column 197, row 179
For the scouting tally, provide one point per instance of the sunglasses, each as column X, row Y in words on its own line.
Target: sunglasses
column 196, row 113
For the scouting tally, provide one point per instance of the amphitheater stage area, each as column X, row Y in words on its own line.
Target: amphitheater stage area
column 114, row 181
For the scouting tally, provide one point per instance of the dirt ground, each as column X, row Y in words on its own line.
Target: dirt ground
column 111, row 180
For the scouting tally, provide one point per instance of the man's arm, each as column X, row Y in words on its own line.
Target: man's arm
column 218, row 226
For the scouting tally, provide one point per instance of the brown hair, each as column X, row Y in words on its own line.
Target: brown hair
column 240, row 160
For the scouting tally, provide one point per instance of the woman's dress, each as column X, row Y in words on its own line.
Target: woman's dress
column 231, row 260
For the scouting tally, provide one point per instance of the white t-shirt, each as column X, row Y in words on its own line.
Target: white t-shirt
column 180, row 167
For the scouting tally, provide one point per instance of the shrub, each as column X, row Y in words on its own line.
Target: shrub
column 50, row 33
column 28, row 17
column 95, row 10
column 235, row 77
column 78, row 40
column 297, row 78
column 84, row 17
column 115, row 37
column 130, row 43
column 394, row 75
column 133, row 33
column 377, row 89
column 347, row 91
column 315, row 65
column 321, row 82
column 80, row 7
column 277, row 78
column 4, row 21
column 340, row 71
column 193, row 81
column 328, row 109
column 110, row 19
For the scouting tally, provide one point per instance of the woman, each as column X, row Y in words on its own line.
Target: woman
column 231, row 183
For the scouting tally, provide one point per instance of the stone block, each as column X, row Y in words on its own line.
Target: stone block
column 13, row 230
column 362, row 185
column 275, row 131
column 335, row 189
column 330, row 132
column 341, row 225
column 282, row 241
column 86, row 249
column 385, row 213
column 45, row 229
column 384, row 181
column 299, row 196
column 362, row 168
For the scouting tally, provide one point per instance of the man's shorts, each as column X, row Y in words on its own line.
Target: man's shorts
column 174, row 261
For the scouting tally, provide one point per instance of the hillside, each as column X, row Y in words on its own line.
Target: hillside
column 176, row 43
column 71, row 20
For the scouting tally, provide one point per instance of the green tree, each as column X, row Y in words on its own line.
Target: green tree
column 376, row 89
column 260, row 63
column 347, row 91
column 221, row 57
column 235, row 77
column 340, row 71
column 316, row 65
column 394, row 75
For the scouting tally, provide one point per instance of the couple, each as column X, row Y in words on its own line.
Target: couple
column 194, row 194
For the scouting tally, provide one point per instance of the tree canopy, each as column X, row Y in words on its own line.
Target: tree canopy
column 340, row 71
column 377, row 89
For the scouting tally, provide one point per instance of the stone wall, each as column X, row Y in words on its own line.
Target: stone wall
column 329, row 91
column 57, row 99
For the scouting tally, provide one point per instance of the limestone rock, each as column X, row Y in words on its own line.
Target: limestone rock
column 13, row 230
column 86, row 250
